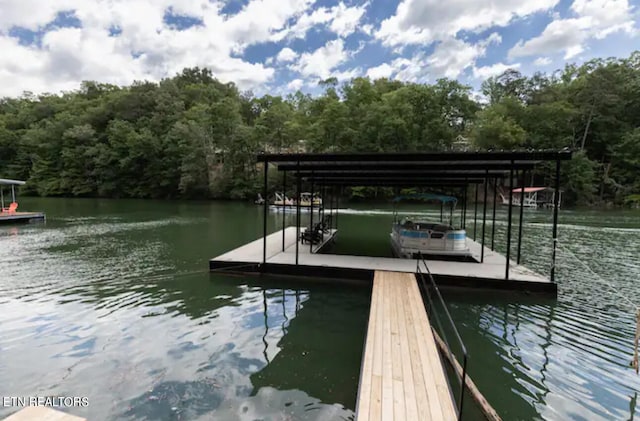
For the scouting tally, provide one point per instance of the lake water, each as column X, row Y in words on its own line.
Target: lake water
column 112, row 300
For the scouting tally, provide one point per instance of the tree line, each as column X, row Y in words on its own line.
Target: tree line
column 191, row 136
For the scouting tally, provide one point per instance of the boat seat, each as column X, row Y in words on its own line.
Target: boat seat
column 313, row 235
column 442, row 228
column 326, row 223
column 11, row 209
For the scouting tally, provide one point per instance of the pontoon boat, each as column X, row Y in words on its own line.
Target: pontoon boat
column 284, row 203
column 411, row 236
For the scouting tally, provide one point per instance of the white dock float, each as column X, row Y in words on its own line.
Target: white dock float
column 42, row 413
column 16, row 217
column 490, row 273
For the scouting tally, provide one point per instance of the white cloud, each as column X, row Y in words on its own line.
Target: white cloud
column 565, row 34
column 346, row 19
column 146, row 48
column 449, row 59
column 322, row 61
column 295, row 84
column 542, row 61
column 594, row 19
column 486, row 72
column 410, row 70
column 425, row 21
column 606, row 16
column 340, row 19
column 383, row 70
column 286, row 55
column 259, row 19
column 452, row 56
column 303, row 24
column 367, row 29
column 347, row 74
column 29, row 14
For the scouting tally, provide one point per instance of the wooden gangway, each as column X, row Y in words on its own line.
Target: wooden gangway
column 402, row 376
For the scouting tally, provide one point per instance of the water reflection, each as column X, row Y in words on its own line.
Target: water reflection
column 188, row 346
column 555, row 359
column 112, row 300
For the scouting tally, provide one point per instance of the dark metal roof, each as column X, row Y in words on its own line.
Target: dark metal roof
column 11, row 182
column 408, row 169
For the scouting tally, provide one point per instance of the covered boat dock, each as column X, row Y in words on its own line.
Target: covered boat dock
column 285, row 252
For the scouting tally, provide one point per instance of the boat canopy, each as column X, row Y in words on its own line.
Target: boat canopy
column 426, row 196
column 11, row 182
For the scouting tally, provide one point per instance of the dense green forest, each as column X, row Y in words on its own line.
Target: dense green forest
column 191, row 136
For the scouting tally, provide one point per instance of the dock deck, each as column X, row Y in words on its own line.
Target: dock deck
column 42, row 413
column 402, row 376
column 489, row 274
column 21, row 217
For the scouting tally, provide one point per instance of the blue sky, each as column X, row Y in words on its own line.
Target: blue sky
column 279, row 46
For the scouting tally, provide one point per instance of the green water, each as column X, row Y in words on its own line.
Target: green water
column 112, row 300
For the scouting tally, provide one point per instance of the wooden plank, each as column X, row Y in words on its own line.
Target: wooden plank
column 396, row 355
column 420, row 383
column 428, row 372
column 411, row 408
column 387, row 372
column 402, row 372
column 375, row 413
column 376, row 383
column 437, row 386
column 365, row 392
column 41, row 413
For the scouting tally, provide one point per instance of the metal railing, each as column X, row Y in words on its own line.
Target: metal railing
column 430, row 288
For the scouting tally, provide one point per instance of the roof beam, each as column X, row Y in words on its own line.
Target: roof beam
column 402, row 175
column 539, row 155
column 396, row 183
column 417, row 166
column 397, row 179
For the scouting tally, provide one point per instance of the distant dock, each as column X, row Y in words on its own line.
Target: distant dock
column 9, row 214
column 247, row 259
column 21, row 217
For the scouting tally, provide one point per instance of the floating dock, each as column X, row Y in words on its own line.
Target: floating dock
column 42, row 413
column 21, row 217
column 248, row 259
column 402, row 376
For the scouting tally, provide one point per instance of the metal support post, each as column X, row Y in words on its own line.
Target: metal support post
column 284, row 204
column 484, row 216
column 264, row 214
column 520, row 222
column 556, row 205
column 506, row 273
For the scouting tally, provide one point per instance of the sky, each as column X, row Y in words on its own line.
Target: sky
column 280, row 46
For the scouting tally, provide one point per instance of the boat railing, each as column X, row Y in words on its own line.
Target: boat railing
column 430, row 289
